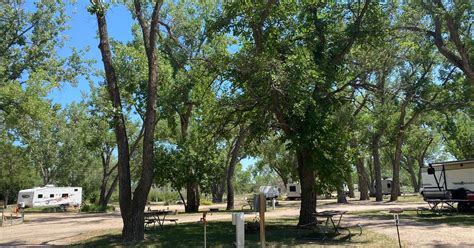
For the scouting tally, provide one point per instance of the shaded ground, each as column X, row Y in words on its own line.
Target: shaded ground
column 68, row 228
column 221, row 234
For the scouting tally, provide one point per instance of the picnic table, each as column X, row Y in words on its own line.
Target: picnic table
column 329, row 222
column 157, row 216
column 329, row 215
column 436, row 206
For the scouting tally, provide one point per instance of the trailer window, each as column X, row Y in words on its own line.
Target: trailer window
column 51, row 195
column 75, row 190
column 64, row 195
column 40, row 196
column 25, row 196
column 292, row 188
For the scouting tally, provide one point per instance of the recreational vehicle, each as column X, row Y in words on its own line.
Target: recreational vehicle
column 271, row 192
column 293, row 191
column 386, row 186
column 50, row 196
column 450, row 181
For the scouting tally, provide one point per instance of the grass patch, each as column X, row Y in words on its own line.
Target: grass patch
column 279, row 233
column 93, row 208
column 410, row 198
column 452, row 219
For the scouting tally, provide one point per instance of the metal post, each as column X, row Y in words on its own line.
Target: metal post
column 262, row 206
column 395, row 216
column 203, row 220
column 238, row 221
column 395, row 212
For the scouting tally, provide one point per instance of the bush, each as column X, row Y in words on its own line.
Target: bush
column 94, row 208
column 93, row 198
column 157, row 196
column 205, row 202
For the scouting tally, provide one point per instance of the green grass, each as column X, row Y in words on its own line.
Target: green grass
column 410, row 198
column 279, row 233
column 449, row 218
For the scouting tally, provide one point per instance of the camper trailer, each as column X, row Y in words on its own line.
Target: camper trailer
column 386, row 186
column 271, row 192
column 50, row 196
column 293, row 191
column 453, row 181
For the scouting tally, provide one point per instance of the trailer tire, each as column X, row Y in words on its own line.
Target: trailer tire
column 465, row 206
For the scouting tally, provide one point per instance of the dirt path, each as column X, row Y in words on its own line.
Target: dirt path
column 66, row 228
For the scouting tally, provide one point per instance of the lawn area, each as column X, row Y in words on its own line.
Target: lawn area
column 409, row 198
column 280, row 233
column 449, row 218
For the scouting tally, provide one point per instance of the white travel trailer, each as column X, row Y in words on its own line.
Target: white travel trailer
column 271, row 192
column 386, row 186
column 449, row 181
column 293, row 191
column 50, row 196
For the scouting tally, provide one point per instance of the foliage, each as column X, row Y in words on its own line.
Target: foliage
column 93, row 208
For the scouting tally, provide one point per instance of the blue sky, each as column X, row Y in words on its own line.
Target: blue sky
column 83, row 34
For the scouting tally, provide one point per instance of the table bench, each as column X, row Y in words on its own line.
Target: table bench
column 153, row 217
column 329, row 225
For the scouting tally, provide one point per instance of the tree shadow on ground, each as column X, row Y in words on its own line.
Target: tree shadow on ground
column 426, row 219
column 281, row 233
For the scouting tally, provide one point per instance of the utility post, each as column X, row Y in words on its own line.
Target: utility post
column 262, row 207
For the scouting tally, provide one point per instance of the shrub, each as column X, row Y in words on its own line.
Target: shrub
column 205, row 202
column 93, row 208
column 93, row 198
column 157, row 196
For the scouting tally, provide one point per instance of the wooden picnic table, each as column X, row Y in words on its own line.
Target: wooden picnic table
column 157, row 216
column 329, row 215
column 333, row 217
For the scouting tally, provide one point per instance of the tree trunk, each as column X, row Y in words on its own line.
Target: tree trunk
column 396, row 167
column 377, row 167
column 132, row 208
column 125, row 191
column 192, row 198
column 234, row 159
column 341, row 195
column 350, row 185
column 103, row 202
column 410, row 167
column 133, row 225
column 371, row 173
column 308, row 187
column 363, row 179
column 218, row 190
column 5, row 200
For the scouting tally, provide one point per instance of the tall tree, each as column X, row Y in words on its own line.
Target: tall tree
column 448, row 25
column 132, row 205
column 291, row 65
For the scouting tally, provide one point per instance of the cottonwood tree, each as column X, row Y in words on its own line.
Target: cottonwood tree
column 196, row 58
column 15, row 170
column 456, row 128
column 101, row 141
column 447, row 25
column 132, row 204
column 29, row 62
column 273, row 153
column 291, row 65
